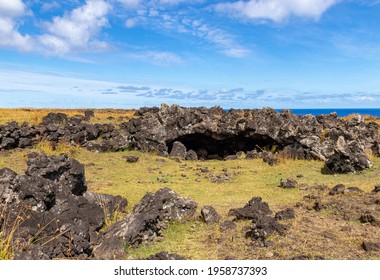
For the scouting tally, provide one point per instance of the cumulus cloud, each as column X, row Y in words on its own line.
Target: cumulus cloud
column 276, row 10
column 11, row 8
column 77, row 30
column 10, row 11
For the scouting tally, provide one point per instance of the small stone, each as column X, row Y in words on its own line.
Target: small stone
column 371, row 246
column 131, row 159
column 338, row 189
column 288, row 184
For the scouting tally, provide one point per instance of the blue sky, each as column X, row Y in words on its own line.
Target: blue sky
column 243, row 54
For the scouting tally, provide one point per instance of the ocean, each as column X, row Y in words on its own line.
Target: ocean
column 375, row 112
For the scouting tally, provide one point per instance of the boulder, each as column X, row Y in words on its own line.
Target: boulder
column 60, row 219
column 209, row 214
column 348, row 156
column 285, row 214
column 253, row 207
column 191, row 155
column 150, row 216
column 178, row 150
column 262, row 227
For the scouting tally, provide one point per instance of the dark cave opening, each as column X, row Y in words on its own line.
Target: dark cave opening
column 208, row 147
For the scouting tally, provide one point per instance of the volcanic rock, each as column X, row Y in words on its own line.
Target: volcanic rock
column 285, row 214
column 150, row 216
column 376, row 189
column 58, row 221
column 338, row 189
column 131, row 159
column 178, row 150
column 209, row 214
column 165, row 256
column 254, row 207
column 288, row 184
column 262, row 227
column 371, row 246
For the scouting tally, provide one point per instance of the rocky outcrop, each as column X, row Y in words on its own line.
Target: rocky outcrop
column 58, row 127
column 202, row 133
column 147, row 220
column 53, row 213
column 214, row 133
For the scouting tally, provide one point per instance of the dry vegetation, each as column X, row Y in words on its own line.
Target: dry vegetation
column 109, row 173
column 35, row 116
column 313, row 234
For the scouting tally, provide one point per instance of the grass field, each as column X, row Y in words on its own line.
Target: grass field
column 109, row 173
column 314, row 234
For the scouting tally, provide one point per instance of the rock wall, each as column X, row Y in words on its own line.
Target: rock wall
column 202, row 133
column 214, row 133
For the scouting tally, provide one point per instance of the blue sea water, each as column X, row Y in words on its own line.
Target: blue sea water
column 375, row 112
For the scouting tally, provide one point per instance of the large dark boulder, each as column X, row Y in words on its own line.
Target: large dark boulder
column 348, row 156
column 50, row 209
column 149, row 217
column 254, row 207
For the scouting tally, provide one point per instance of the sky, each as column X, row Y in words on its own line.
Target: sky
column 230, row 53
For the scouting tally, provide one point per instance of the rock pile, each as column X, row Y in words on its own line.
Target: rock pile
column 147, row 220
column 216, row 134
column 263, row 224
column 202, row 133
column 55, row 216
column 53, row 213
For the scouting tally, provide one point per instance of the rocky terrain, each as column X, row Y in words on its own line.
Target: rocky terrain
column 201, row 133
column 51, row 213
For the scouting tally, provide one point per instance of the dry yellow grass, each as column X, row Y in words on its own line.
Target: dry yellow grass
column 35, row 116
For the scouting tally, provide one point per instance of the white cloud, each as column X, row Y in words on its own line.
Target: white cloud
column 158, row 58
column 276, row 10
column 237, row 52
column 130, row 3
column 131, row 22
column 11, row 8
column 74, row 31
column 48, row 6
column 77, row 30
column 9, row 34
column 224, row 41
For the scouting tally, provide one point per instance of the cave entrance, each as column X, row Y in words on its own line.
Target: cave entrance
column 208, row 147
